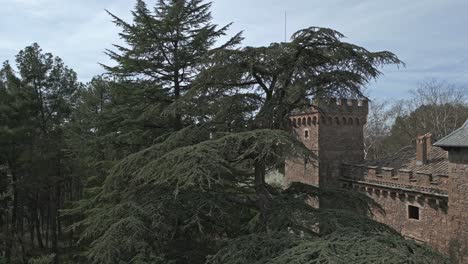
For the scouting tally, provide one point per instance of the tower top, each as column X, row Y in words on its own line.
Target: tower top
column 334, row 105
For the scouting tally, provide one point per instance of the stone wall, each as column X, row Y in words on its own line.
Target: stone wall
column 442, row 201
column 333, row 130
column 306, row 129
column 402, row 179
column 458, row 203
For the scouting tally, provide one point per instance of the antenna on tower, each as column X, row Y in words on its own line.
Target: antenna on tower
column 285, row 25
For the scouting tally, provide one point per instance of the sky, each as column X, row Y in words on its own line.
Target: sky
column 430, row 36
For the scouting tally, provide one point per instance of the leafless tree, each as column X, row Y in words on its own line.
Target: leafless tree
column 452, row 106
column 377, row 128
column 435, row 106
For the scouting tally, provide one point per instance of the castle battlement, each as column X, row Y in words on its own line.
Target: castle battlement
column 422, row 190
column 332, row 111
column 332, row 119
column 403, row 179
column 342, row 105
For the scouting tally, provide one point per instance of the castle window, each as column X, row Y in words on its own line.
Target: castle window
column 413, row 212
column 337, row 120
column 350, row 121
column 309, row 121
column 306, row 134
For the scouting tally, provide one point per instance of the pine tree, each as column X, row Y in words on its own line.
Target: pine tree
column 199, row 194
column 36, row 103
column 163, row 48
column 283, row 77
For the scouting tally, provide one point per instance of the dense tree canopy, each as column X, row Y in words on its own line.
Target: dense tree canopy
column 36, row 103
column 164, row 158
column 164, row 47
column 285, row 76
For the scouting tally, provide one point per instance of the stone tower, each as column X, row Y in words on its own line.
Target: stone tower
column 333, row 130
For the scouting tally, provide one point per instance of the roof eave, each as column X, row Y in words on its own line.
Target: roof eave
column 446, row 147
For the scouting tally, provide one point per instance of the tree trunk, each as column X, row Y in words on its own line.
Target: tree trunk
column 8, row 242
column 53, row 226
column 37, row 224
column 264, row 196
column 178, row 117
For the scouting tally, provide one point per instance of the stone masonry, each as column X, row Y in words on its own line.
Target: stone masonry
column 424, row 191
column 333, row 130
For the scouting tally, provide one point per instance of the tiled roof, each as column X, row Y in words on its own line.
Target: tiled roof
column 437, row 161
column 458, row 138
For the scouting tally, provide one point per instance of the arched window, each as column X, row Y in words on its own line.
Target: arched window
column 350, row 121
column 344, row 120
column 309, row 121
column 294, row 122
column 337, row 120
column 306, row 133
column 357, row 121
column 314, row 120
column 304, row 121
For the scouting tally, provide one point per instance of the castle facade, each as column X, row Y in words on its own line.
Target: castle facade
column 423, row 189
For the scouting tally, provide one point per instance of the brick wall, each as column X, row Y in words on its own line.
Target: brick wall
column 442, row 201
column 402, row 179
column 395, row 190
column 458, row 203
column 333, row 130
column 433, row 220
column 306, row 128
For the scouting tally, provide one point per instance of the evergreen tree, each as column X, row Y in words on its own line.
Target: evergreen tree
column 282, row 77
column 164, row 47
column 164, row 159
column 153, row 71
column 36, row 103
column 199, row 194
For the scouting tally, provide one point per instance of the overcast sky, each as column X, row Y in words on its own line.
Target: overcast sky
column 430, row 36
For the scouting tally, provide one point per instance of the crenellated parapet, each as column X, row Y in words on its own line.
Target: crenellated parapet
column 332, row 112
column 340, row 105
column 401, row 179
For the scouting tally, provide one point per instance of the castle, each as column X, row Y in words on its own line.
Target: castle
column 423, row 190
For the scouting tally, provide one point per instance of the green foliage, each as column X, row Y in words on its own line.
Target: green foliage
column 165, row 47
column 283, row 76
column 165, row 159
column 42, row 260
column 344, row 246
column 187, row 181
column 37, row 98
column 199, row 187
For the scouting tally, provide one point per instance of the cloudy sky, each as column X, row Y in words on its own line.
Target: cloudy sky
column 430, row 36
